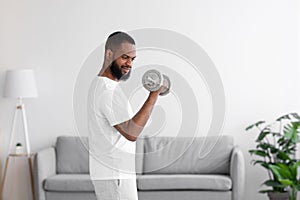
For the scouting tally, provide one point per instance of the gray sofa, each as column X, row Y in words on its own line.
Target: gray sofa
column 204, row 168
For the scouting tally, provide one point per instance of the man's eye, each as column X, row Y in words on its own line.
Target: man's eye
column 124, row 57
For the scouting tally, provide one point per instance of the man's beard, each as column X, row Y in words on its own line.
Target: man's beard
column 117, row 72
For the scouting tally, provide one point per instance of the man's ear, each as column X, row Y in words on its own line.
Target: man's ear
column 108, row 54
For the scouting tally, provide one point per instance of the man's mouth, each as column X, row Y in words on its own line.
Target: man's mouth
column 125, row 70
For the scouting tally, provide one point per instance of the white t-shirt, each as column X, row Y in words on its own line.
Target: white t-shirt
column 111, row 155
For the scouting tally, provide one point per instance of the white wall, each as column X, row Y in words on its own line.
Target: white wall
column 254, row 45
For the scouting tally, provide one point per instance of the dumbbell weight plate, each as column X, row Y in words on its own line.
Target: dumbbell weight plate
column 152, row 80
column 167, row 87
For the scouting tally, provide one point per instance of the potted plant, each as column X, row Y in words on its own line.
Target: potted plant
column 275, row 150
column 19, row 148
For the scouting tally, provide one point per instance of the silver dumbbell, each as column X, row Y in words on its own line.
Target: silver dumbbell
column 152, row 80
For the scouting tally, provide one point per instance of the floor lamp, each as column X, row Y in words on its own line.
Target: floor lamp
column 20, row 84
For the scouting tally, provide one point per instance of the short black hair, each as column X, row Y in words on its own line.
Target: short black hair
column 116, row 38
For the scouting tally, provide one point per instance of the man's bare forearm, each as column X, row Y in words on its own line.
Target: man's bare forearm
column 142, row 116
column 132, row 128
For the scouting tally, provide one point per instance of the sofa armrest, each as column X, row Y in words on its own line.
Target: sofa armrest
column 237, row 173
column 44, row 167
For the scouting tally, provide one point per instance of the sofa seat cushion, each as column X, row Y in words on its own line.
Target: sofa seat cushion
column 69, row 182
column 184, row 182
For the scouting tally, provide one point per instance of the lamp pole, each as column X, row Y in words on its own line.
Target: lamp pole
column 20, row 108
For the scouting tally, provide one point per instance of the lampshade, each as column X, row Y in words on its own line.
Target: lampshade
column 20, row 84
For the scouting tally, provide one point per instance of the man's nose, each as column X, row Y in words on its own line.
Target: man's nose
column 129, row 62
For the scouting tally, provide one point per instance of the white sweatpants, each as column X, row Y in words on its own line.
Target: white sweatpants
column 117, row 189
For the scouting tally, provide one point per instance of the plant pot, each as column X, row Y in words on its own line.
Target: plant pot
column 278, row 195
column 19, row 150
column 293, row 194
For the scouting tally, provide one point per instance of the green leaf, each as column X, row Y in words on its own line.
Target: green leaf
column 265, row 191
column 278, row 134
column 281, row 141
column 295, row 136
column 283, row 156
column 258, row 153
column 263, row 134
column 258, row 162
column 296, row 116
column 296, row 123
column 281, row 171
column 265, row 165
column 254, row 125
column 285, row 170
column 288, row 131
column 274, row 150
column 292, row 148
column 286, row 182
column 287, row 116
column 291, row 131
column 273, row 183
column 297, row 164
column 264, row 146
column 275, row 171
column 290, row 118
column 294, row 169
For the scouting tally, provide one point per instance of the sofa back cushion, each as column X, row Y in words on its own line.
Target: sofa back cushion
column 72, row 155
column 186, row 155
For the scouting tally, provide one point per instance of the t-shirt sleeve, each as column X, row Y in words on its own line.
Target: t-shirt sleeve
column 115, row 107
